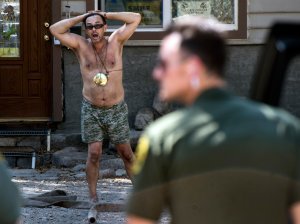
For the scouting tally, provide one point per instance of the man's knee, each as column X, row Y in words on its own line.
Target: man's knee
column 125, row 152
column 94, row 152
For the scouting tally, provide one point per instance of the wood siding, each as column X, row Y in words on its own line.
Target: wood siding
column 263, row 13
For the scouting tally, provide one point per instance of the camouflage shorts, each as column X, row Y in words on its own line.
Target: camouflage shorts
column 98, row 123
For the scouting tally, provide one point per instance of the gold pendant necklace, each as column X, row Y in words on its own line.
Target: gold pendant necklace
column 100, row 79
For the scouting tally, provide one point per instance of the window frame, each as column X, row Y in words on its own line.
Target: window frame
column 153, row 34
column 18, row 44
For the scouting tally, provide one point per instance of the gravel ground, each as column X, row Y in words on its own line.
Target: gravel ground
column 33, row 183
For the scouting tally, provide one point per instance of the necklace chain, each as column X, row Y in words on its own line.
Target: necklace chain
column 99, row 58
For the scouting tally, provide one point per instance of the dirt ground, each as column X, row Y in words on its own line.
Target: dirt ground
column 33, row 183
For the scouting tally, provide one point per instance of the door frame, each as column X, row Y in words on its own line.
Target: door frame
column 57, row 72
column 57, row 114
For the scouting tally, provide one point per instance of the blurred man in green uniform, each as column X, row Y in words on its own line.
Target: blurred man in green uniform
column 221, row 159
column 10, row 200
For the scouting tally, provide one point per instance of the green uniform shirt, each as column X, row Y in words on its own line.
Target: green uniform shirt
column 224, row 160
column 10, row 200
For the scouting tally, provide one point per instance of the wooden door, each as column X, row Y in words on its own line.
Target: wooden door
column 25, row 79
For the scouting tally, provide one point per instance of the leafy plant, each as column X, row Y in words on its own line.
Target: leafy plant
column 6, row 35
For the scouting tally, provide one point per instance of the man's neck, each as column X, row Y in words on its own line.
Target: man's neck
column 207, row 82
column 100, row 45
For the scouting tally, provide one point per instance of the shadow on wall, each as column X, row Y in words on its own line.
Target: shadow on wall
column 140, row 88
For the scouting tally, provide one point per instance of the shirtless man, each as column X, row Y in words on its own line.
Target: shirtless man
column 104, row 112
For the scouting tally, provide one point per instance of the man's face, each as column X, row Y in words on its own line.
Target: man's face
column 171, row 70
column 95, row 28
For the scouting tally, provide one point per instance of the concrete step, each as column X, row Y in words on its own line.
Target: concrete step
column 19, row 156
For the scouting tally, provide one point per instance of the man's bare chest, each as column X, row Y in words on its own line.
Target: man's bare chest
column 91, row 61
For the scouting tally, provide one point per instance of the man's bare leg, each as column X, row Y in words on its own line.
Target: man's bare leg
column 125, row 151
column 92, row 168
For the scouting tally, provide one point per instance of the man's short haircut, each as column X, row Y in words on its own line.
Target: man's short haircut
column 202, row 37
column 93, row 14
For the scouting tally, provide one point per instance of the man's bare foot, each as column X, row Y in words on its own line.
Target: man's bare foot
column 94, row 201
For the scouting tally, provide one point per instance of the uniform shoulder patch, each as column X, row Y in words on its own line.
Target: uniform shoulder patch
column 141, row 154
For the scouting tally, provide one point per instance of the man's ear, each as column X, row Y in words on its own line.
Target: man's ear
column 196, row 66
column 196, row 70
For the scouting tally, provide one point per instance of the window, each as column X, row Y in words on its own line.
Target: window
column 9, row 28
column 72, row 8
column 157, row 14
column 151, row 11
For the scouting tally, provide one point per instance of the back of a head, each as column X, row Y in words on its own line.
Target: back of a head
column 203, row 37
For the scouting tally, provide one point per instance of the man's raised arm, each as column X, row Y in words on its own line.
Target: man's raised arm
column 61, row 30
column 131, row 20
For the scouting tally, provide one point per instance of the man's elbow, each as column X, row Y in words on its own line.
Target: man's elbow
column 52, row 30
column 55, row 30
column 139, row 17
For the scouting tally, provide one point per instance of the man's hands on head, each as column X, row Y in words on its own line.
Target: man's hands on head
column 99, row 12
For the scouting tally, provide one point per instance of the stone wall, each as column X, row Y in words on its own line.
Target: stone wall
column 141, row 89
